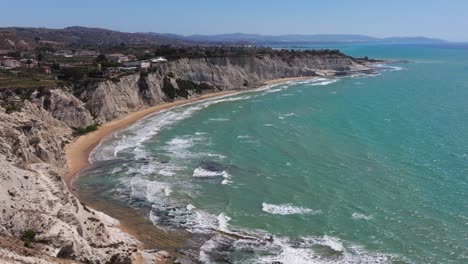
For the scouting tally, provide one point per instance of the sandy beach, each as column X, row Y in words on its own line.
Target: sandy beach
column 78, row 151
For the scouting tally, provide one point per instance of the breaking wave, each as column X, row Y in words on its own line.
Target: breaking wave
column 359, row 216
column 286, row 209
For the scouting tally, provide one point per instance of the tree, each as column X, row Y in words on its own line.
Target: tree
column 74, row 74
column 56, row 66
column 101, row 58
column 40, row 57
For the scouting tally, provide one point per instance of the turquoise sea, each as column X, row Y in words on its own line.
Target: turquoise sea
column 363, row 169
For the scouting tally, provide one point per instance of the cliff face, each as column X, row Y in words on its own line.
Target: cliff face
column 190, row 77
column 36, row 124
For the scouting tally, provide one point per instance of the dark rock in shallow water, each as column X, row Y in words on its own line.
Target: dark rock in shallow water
column 213, row 166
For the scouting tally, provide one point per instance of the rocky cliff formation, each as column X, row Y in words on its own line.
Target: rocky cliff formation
column 36, row 124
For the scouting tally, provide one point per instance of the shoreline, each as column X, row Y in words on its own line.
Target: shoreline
column 78, row 152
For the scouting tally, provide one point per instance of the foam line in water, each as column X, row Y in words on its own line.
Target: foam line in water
column 145, row 129
column 286, row 209
column 358, row 216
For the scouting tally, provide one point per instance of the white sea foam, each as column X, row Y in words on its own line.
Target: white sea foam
column 273, row 90
column 179, row 147
column 323, row 83
column 202, row 173
column 332, row 242
column 190, row 207
column 268, row 125
column 166, row 172
column 167, row 191
column 268, row 249
column 205, row 249
column 287, row 209
column 212, row 155
column 142, row 188
column 153, row 218
column 145, row 129
column 359, row 216
column 385, row 67
column 219, row 119
column 285, row 115
column 202, row 222
column 284, row 250
column 223, row 220
column 226, row 182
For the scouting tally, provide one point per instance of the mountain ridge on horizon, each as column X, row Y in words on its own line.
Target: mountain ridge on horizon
column 18, row 37
column 300, row 38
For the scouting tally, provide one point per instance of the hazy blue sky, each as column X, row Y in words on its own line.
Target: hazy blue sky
column 446, row 19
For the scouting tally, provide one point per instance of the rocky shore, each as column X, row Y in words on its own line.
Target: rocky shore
column 36, row 124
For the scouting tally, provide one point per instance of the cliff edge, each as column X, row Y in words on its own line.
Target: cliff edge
column 36, row 125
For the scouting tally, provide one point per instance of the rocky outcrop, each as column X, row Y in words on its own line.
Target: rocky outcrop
column 37, row 199
column 33, row 195
column 36, row 124
column 32, row 135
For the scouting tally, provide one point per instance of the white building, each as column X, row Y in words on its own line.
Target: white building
column 158, row 60
column 10, row 63
column 137, row 64
column 86, row 53
column 64, row 53
column 117, row 57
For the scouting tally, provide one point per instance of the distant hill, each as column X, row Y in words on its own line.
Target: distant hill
column 21, row 38
column 28, row 38
column 298, row 39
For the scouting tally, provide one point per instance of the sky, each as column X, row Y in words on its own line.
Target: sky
column 447, row 19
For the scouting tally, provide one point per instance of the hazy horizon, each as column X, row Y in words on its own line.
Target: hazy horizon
column 432, row 18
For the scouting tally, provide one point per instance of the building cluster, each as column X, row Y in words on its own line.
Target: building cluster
column 76, row 53
column 85, row 60
column 7, row 63
column 130, row 62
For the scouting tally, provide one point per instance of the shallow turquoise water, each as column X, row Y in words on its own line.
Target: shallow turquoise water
column 354, row 170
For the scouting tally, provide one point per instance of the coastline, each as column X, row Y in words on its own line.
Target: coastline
column 79, row 150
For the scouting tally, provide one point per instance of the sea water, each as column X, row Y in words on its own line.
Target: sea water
column 364, row 169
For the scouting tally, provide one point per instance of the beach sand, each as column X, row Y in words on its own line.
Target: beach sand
column 131, row 221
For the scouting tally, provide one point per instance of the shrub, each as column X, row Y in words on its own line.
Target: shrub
column 109, row 64
column 27, row 244
column 28, row 237
column 71, row 74
column 144, row 74
column 78, row 131
column 11, row 108
column 168, row 88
